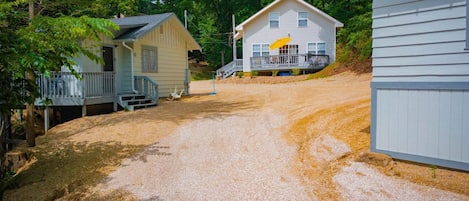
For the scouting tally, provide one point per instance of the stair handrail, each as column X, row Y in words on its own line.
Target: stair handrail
column 147, row 86
column 230, row 68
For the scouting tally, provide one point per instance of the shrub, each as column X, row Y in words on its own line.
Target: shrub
column 295, row 71
column 239, row 74
column 254, row 73
column 274, row 73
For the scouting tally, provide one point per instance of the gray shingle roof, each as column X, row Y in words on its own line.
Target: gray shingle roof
column 132, row 28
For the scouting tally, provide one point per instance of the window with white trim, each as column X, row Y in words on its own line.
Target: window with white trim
column 260, row 50
column 274, row 20
column 302, row 19
column 317, row 48
column 149, row 59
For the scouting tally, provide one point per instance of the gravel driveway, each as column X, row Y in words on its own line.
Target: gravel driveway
column 246, row 155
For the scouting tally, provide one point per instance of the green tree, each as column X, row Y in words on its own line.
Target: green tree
column 41, row 44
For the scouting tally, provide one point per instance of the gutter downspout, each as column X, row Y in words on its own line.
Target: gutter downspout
column 131, row 66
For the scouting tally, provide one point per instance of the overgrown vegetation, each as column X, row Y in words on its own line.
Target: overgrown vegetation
column 295, row 71
column 274, row 73
column 36, row 39
column 8, row 181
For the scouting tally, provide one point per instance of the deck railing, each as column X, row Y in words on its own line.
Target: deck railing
column 303, row 61
column 147, row 86
column 230, row 68
column 66, row 85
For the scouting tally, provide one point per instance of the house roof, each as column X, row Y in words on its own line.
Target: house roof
column 265, row 9
column 134, row 27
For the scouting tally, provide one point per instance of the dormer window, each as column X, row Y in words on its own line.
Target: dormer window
column 274, row 20
column 302, row 19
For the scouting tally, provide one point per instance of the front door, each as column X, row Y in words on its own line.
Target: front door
column 108, row 57
column 108, row 68
column 289, row 54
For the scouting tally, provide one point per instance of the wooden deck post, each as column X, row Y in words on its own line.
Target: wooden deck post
column 46, row 119
column 83, row 111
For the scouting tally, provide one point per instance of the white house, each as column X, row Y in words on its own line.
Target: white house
column 147, row 58
column 420, row 84
column 312, row 35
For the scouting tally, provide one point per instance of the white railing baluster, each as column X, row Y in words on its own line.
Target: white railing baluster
column 66, row 85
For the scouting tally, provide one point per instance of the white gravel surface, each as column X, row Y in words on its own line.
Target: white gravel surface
column 359, row 181
column 238, row 157
column 325, row 149
column 241, row 155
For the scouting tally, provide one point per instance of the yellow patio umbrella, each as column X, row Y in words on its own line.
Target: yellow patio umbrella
column 280, row 43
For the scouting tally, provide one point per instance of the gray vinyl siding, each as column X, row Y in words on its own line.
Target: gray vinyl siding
column 420, row 84
column 427, row 128
column 123, row 71
column 415, row 38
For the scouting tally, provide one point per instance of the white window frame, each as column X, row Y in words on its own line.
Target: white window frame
column 274, row 20
column 149, row 65
column 316, row 47
column 302, row 19
column 263, row 49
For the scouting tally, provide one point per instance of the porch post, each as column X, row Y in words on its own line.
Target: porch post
column 114, row 85
column 234, row 39
column 83, row 111
column 46, row 119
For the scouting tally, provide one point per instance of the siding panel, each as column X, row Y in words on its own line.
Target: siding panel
column 437, row 70
column 408, row 123
column 402, row 118
column 393, row 8
column 444, row 121
column 465, row 127
column 413, row 122
column 433, row 37
column 456, row 126
column 425, row 27
column 419, row 17
column 421, row 78
column 462, row 58
column 419, row 49
column 382, row 141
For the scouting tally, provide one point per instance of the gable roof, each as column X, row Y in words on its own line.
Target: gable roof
column 134, row 27
column 307, row 5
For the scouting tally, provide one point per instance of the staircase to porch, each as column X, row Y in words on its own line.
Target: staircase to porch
column 146, row 96
column 230, row 68
column 135, row 101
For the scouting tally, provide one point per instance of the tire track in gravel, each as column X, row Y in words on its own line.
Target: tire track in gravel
column 341, row 125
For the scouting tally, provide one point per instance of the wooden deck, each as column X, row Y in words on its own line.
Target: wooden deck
column 64, row 89
column 288, row 62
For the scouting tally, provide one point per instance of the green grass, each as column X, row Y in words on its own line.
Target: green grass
column 326, row 72
column 201, row 76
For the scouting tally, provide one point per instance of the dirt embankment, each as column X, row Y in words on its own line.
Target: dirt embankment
column 291, row 141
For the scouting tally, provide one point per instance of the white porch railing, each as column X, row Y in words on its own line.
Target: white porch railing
column 146, row 86
column 230, row 68
column 278, row 62
column 66, row 85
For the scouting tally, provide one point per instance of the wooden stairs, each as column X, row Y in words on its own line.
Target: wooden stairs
column 135, row 101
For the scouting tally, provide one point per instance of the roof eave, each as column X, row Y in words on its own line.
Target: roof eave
column 125, row 40
column 336, row 22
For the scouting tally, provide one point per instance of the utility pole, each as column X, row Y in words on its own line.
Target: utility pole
column 185, row 19
column 234, row 38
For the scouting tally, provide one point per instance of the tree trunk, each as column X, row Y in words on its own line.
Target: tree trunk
column 30, row 134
